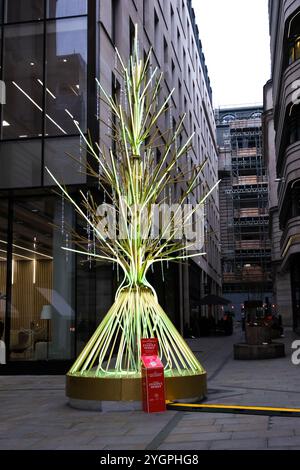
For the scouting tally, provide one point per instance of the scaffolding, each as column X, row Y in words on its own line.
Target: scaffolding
column 246, row 248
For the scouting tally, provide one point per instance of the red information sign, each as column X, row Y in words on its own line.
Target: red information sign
column 153, row 380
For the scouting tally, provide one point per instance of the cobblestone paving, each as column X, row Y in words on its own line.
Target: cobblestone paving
column 34, row 413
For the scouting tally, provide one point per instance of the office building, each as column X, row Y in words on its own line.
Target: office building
column 285, row 55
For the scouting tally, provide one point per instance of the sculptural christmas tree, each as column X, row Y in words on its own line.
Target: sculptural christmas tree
column 109, row 366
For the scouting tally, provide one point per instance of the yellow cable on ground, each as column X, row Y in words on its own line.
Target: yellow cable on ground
column 232, row 408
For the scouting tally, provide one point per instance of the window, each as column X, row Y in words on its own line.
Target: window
column 173, row 71
column 23, row 75
column 20, row 164
column 62, row 8
column 294, row 128
column 66, row 159
column 183, row 11
column 293, row 41
column 114, row 19
column 145, row 12
column 172, row 20
column 131, row 35
column 184, row 63
column 156, row 30
column 179, row 95
column 66, row 74
column 166, row 54
column 256, row 115
column 65, row 83
column 25, row 10
column 294, row 51
column 228, row 118
column 194, row 94
column 193, row 49
column 158, row 156
column 116, row 94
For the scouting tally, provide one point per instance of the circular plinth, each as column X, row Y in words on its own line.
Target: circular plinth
column 246, row 352
column 124, row 389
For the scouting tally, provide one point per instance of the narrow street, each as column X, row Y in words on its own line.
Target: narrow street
column 35, row 414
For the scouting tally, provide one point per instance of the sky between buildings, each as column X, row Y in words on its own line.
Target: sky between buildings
column 236, row 44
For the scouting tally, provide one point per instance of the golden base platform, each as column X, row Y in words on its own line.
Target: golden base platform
column 88, row 386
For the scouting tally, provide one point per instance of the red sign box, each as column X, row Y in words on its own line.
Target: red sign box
column 153, row 380
column 150, row 347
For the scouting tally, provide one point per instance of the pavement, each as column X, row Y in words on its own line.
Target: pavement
column 34, row 414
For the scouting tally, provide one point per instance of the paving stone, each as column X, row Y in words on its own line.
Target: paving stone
column 284, row 441
column 203, row 445
column 124, row 440
column 272, row 449
column 193, row 420
column 244, row 427
column 70, row 446
column 203, row 416
column 259, row 433
column 17, row 444
column 180, row 429
column 146, row 430
column 239, row 444
column 239, row 419
column 125, row 447
column 203, row 436
column 65, row 440
column 286, row 421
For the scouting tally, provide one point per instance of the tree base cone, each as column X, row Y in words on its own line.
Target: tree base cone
column 109, row 367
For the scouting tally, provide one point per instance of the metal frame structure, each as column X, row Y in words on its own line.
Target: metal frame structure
column 244, row 203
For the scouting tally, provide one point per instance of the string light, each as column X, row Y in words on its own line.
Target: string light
column 62, row 214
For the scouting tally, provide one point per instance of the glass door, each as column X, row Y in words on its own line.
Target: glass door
column 42, row 312
column 3, row 275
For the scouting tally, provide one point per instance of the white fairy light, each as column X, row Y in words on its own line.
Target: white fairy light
column 62, row 214
column 67, row 246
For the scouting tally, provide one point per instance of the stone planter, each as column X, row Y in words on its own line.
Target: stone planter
column 249, row 352
column 256, row 335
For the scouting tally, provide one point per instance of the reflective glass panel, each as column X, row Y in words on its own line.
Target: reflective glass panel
column 42, row 312
column 297, row 49
column 24, row 10
column 66, row 76
column 23, row 76
column 66, row 160
column 62, row 8
column 3, row 267
column 20, row 164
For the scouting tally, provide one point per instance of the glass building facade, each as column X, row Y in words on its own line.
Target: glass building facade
column 44, row 67
column 48, row 297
